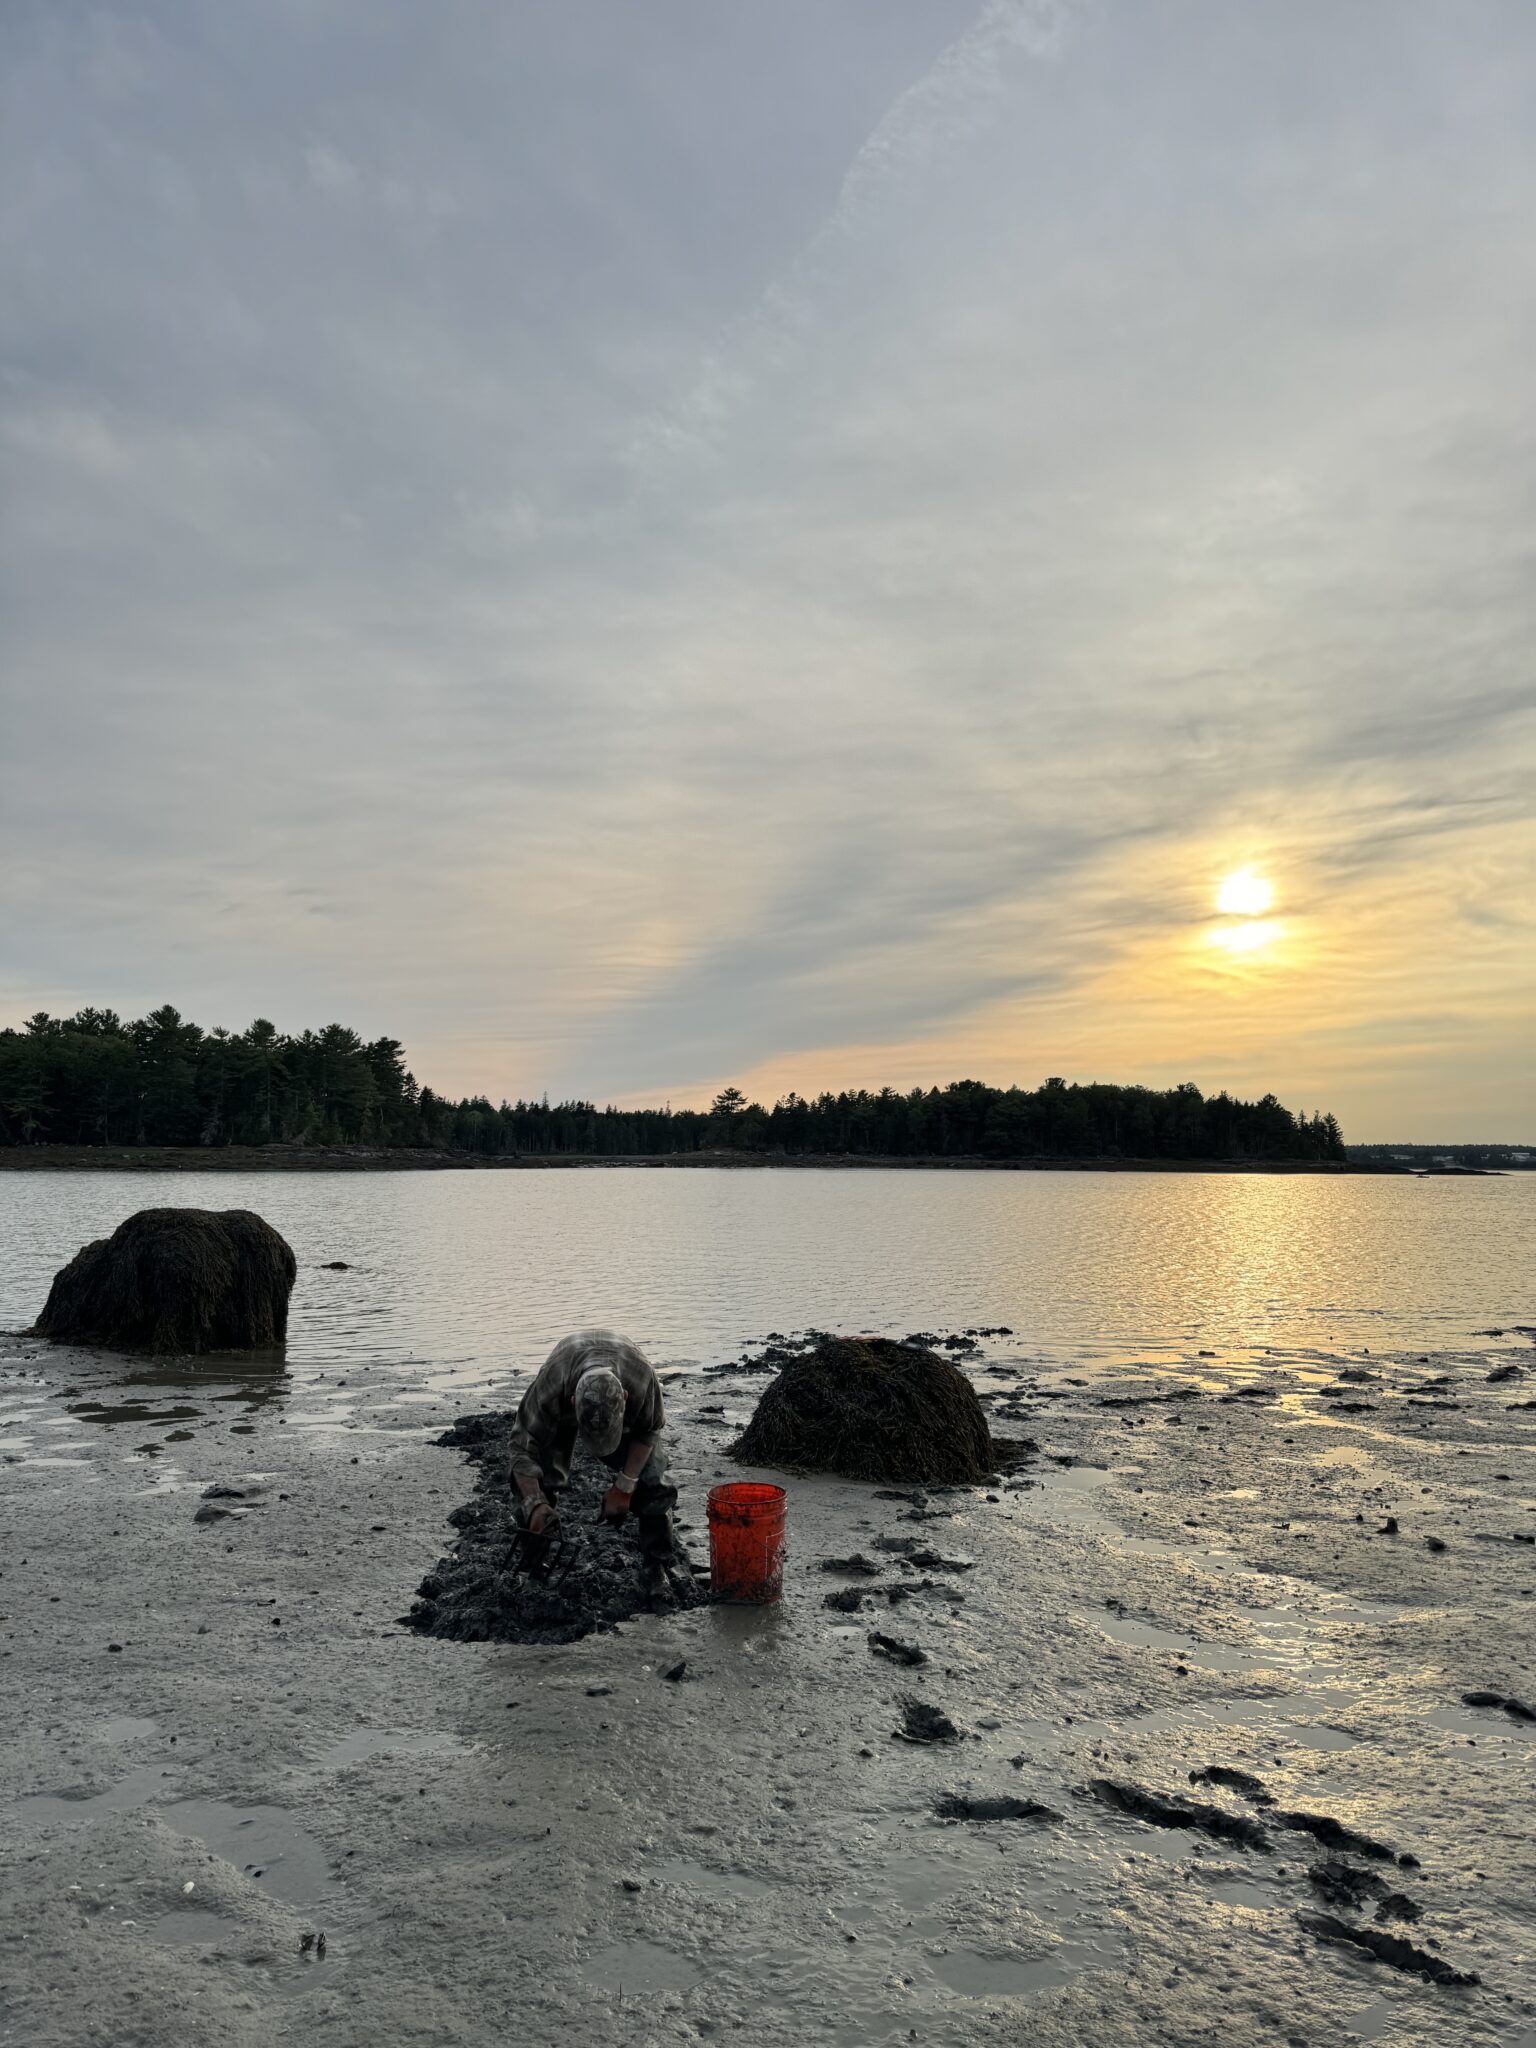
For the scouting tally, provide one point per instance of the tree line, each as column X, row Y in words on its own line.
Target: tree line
column 92, row 1079
column 1495, row 1158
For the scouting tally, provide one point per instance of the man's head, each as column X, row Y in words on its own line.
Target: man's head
column 599, row 1399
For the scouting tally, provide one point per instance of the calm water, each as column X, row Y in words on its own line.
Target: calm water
column 457, row 1280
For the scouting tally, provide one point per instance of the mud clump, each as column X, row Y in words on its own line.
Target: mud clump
column 935, row 1561
column 477, row 1594
column 1344, row 1884
column 961, row 1806
column 1149, row 1400
column 1333, row 1834
column 175, row 1280
column 846, row 1600
column 1517, row 1710
column 1158, row 1812
column 893, row 1648
column 1386, row 1948
column 923, row 1723
column 1243, row 1782
column 870, row 1408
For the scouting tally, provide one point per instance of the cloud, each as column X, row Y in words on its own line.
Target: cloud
column 631, row 548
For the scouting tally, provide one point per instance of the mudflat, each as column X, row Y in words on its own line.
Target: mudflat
column 1187, row 1755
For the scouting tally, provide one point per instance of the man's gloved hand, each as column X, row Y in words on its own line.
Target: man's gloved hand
column 540, row 1519
column 616, row 1504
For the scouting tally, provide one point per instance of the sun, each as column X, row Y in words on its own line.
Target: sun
column 1244, row 894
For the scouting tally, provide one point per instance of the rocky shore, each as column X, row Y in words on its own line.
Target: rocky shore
column 366, row 1159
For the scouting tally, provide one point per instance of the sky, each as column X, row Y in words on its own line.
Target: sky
column 640, row 547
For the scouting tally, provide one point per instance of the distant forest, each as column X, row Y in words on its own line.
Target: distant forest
column 1480, row 1158
column 91, row 1079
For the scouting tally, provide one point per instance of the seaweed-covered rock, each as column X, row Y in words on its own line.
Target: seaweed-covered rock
column 870, row 1408
column 175, row 1280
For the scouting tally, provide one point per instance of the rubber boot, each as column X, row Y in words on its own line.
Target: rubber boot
column 658, row 1545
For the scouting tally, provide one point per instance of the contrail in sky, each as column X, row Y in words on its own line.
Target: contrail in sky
column 955, row 100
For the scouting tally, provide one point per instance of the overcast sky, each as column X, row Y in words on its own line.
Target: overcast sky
column 640, row 546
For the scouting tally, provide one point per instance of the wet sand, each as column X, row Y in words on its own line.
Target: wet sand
column 506, row 1844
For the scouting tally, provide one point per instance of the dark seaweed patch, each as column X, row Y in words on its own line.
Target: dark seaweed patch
column 1158, row 1812
column 1386, row 1948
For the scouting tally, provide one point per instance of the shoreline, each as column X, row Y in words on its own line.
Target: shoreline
column 360, row 1159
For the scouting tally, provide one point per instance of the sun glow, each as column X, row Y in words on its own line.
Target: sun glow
column 1248, row 937
column 1244, row 894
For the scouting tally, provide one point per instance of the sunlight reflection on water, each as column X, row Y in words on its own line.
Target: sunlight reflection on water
column 461, row 1278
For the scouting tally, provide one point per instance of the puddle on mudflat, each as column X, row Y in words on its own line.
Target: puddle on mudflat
column 720, row 1884
column 1070, row 1494
column 1320, row 1736
column 1242, row 1891
column 137, row 1789
column 126, row 1728
column 263, row 1842
column 1223, row 1882
column 108, row 1413
column 1282, row 1718
column 1487, row 1725
column 975, row 1976
column 1142, row 1633
column 640, row 1966
column 256, row 1396
column 190, row 1927
column 363, row 1743
column 1343, row 1609
column 1208, row 1656
column 1371, row 2024
column 1222, row 1657
column 1274, row 1716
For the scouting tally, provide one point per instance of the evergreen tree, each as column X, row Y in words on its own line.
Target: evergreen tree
column 92, row 1079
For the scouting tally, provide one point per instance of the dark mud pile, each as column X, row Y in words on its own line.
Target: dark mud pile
column 175, row 1280
column 870, row 1408
column 477, row 1594
column 1348, row 1888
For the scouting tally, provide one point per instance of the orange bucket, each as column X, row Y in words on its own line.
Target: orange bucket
column 746, row 1542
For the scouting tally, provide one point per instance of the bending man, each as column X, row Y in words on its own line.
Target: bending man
column 601, row 1388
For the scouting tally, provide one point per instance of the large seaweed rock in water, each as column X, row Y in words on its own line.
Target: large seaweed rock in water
column 870, row 1408
column 175, row 1280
